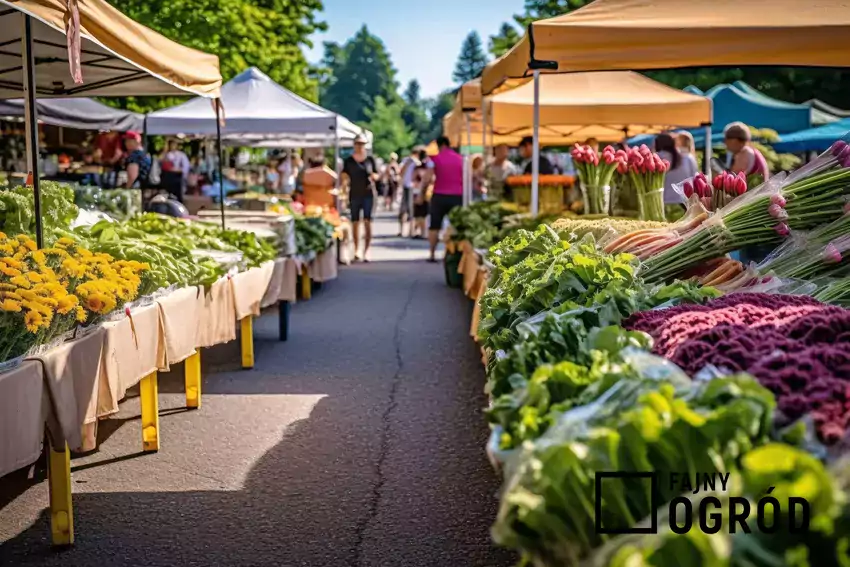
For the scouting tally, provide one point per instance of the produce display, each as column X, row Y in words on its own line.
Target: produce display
column 634, row 424
column 611, row 346
column 120, row 204
column 796, row 346
column 45, row 293
column 206, row 236
column 762, row 216
column 312, row 234
column 786, row 472
column 553, row 192
column 86, row 273
column 17, row 209
column 604, row 229
column 170, row 259
column 479, row 223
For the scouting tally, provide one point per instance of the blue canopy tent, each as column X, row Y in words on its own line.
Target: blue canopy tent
column 814, row 139
column 739, row 102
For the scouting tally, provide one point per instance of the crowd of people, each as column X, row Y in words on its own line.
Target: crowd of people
column 425, row 188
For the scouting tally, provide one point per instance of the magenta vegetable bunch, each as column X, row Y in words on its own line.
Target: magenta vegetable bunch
column 795, row 346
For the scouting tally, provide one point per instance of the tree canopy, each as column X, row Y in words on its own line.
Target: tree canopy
column 472, row 59
column 359, row 72
column 268, row 34
column 510, row 33
column 387, row 124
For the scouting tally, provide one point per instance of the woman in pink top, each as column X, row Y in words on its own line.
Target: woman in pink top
column 745, row 157
column 447, row 169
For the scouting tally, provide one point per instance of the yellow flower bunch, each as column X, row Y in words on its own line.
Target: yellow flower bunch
column 52, row 288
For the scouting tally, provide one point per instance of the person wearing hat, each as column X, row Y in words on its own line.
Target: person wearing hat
column 137, row 162
column 359, row 175
column 391, row 173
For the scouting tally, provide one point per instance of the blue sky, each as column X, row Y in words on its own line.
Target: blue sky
column 423, row 38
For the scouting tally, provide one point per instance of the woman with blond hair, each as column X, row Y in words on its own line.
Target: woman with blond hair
column 687, row 148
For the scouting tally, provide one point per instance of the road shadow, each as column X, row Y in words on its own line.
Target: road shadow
column 387, row 469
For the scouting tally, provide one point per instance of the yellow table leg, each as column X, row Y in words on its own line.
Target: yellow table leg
column 59, row 487
column 192, row 373
column 306, row 285
column 247, row 342
column 149, row 391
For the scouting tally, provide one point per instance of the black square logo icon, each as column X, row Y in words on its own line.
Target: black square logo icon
column 651, row 477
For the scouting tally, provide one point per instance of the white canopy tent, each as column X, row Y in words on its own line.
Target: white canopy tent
column 257, row 112
column 255, row 107
column 346, row 131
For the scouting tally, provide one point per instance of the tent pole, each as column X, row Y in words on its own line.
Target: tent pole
column 484, row 132
column 707, row 154
column 336, row 162
column 31, row 118
column 535, row 152
column 220, row 168
column 469, row 171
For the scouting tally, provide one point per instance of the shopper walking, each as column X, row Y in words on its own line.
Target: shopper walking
column 391, row 173
column 359, row 175
column 446, row 168
column 405, row 210
column 419, row 195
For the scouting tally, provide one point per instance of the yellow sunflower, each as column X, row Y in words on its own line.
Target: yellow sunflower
column 10, row 305
column 33, row 320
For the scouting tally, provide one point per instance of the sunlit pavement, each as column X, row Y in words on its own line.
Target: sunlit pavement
column 357, row 442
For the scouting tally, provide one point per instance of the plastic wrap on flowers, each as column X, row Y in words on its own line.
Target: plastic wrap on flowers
column 722, row 190
column 823, row 252
column 754, row 217
column 597, row 200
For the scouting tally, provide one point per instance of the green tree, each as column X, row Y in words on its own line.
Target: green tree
column 267, row 34
column 388, row 128
column 533, row 10
column 438, row 107
column 502, row 42
column 414, row 113
column 412, row 94
column 360, row 72
column 472, row 59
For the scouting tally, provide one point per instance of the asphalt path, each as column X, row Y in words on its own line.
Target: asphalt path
column 359, row 442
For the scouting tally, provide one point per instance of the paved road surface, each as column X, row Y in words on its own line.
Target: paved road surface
column 357, row 443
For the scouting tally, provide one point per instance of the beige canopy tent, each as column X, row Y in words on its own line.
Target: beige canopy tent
column 118, row 56
column 607, row 106
column 71, row 48
column 664, row 34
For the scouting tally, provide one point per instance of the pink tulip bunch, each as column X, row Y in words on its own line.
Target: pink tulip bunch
column 717, row 194
column 646, row 170
column 595, row 172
